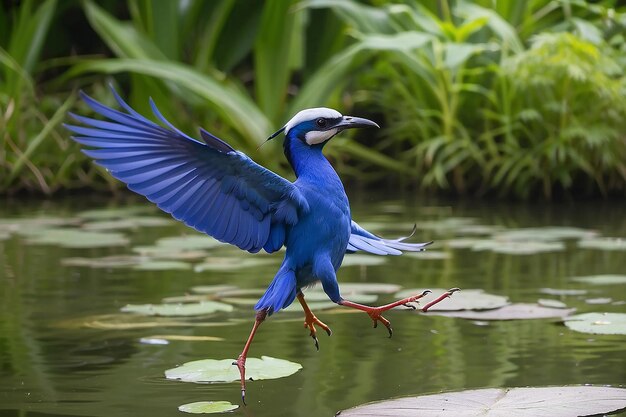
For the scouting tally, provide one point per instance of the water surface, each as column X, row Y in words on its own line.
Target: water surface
column 56, row 359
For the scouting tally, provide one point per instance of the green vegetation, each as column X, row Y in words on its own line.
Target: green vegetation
column 517, row 98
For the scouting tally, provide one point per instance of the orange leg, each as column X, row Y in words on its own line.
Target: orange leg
column 310, row 321
column 241, row 360
column 375, row 313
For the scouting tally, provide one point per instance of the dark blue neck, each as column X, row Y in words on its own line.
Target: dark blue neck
column 308, row 161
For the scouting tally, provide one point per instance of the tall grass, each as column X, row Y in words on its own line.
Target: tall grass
column 35, row 154
column 477, row 96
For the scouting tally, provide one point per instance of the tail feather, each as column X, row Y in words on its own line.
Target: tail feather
column 281, row 292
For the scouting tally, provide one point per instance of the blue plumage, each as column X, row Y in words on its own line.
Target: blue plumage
column 217, row 190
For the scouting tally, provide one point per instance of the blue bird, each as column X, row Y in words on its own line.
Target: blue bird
column 220, row 191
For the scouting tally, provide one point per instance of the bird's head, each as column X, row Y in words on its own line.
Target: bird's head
column 318, row 125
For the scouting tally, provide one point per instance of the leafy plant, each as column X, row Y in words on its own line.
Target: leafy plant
column 474, row 110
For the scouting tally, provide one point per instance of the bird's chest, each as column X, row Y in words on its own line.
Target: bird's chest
column 325, row 228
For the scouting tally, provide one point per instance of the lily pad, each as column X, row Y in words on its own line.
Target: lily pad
column 134, row 321
column 598, row 323
column 76, row 239
column 429, row 255
column 357, row 259
column 161, row 252
column 599, row 300
column 368, row 287
column 603, row 243
column 168, row 310
column 212, row 289
column 465, row 242
column 517, row 311
column 189, row 242
column 207, row 407
column 463, row 300
column 499, row 402
column 212, row 370
column 478, row 229
column 127, row 223
column 514, row 247
column 544, row 302
column 116, row 261
column 115, row 213
column 184, row 338
column 544, row 234
column 231, row 263
column 152, row 265
column 602, row 279
column 559, row 291
column 449, row 224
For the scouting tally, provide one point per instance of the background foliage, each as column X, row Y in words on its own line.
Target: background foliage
column 519, row 98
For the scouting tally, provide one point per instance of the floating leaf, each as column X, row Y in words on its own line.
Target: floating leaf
column 478, row 229
column 500, row 402
column 603, row 243
column 600, row 300
column 602, row 279
column 517, row 311
column 463, row 300
column 189, row 242
column 231, row 263
column 558, row 291
column 190, row 309
column 598, row 323
column 150, row 265
column 429, row 254
column 551, row 303
column 357, row 259
column 76, row 239
column 180, row 337
column 133, row 321
column 465, row 242
column 188, row 298
column 161, row 252
column 117, row 261
column 212, row 289
column 115, row 213
column 127, row 223
column 24, row 225
column 545, row 234
column 515, row 247
column 450, row 224
column 368, row 287
column 207, row 407
column 212, row 370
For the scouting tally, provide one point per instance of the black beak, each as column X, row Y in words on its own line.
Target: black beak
column 349, row 122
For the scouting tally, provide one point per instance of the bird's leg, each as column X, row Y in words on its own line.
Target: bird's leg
column 375, row 313
column 241, row 360
column 310, row 321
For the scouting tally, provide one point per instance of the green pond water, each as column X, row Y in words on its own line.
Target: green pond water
column 66, row 347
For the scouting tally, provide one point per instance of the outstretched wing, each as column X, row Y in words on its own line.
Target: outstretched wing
column 208, row 186
column 361, row 239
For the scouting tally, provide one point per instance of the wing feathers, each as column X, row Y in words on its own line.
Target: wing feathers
column 208, row 186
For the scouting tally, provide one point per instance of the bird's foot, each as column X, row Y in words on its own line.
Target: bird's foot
column 310, row 321
column 241, row 365
column 439, row 299
column 375, row 313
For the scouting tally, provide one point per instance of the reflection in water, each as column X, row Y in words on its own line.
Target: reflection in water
column 55, row 361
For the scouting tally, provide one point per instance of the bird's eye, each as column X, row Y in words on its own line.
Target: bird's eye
column 321, row 122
